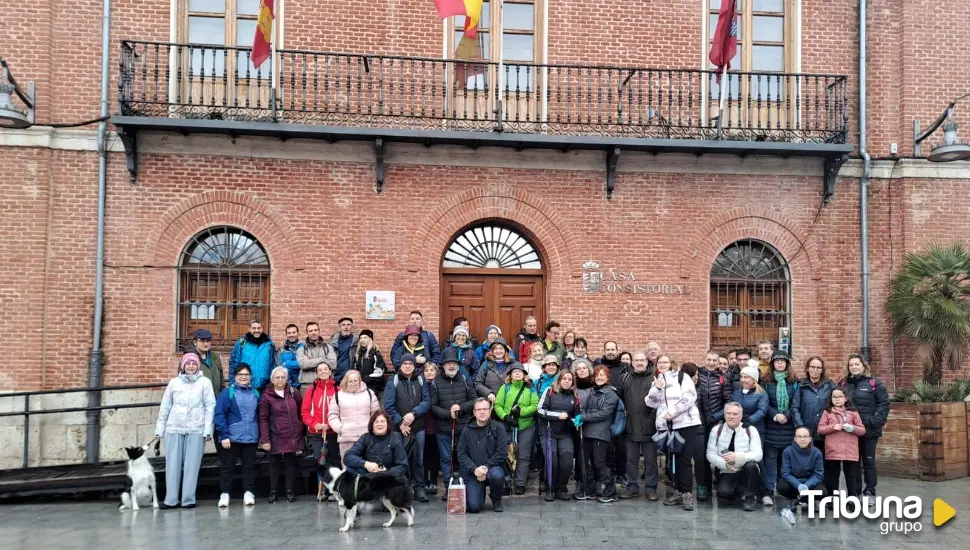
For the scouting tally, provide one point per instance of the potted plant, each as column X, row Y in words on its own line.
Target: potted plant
column 926, row 435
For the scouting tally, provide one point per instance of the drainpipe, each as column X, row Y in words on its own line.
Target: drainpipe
column 95, row 367
column 865, row 350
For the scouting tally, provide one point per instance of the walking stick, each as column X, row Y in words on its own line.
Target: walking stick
column 582, row 460
column 548, row 454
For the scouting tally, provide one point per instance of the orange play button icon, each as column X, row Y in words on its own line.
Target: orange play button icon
column 942, row 512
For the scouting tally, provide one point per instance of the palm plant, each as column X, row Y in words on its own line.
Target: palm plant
column 929, row 302
column 922, row 392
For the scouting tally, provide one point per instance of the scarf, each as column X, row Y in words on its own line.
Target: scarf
column 781, row 391
column 416, row 349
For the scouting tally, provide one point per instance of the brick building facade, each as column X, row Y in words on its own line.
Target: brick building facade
column 329, row 236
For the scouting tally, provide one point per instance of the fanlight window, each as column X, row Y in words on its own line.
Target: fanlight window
column 492, row 246
column 224, row 283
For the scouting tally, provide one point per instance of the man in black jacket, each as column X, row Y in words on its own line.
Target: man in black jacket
column 452, row 397
column 714, row 389
column 407, row 401
column 640, row 427
column 481, row 454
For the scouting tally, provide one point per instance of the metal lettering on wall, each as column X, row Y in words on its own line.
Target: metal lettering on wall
column 612, row 281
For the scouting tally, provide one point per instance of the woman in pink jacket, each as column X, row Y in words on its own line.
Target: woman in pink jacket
column 350, row 411
column 842, row 427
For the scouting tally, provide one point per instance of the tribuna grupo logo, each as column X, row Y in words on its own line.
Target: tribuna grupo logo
column 898, row 514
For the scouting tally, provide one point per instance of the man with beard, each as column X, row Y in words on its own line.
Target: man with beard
column 315, row 351
column 610, row 359
column 640, row 427
column 653, row 352
column 256, row 350
column 286, row 355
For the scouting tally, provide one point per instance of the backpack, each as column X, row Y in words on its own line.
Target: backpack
column 619, row 419
column 872, row 384
column 232, row 392
column 745, row 425
column 420, row 381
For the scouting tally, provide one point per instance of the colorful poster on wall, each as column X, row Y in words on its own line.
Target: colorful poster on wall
column 380, row 305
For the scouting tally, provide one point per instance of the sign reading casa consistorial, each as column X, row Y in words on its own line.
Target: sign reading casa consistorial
column 612, row 281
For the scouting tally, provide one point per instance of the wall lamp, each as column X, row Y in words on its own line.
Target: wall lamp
column 10, row 115
column 952, row 148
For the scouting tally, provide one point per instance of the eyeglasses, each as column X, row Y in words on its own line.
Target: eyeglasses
column 243, row 375
column 803, row 437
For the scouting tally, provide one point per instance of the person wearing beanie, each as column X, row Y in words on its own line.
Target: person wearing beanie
column 462, row 344
column 783, row 401
column 463, row 323
column 185, row 422
column 491, row 334
column 368, row 360
column 491, row 375
column 754, row 406
column 407, row 399
column 516, row 404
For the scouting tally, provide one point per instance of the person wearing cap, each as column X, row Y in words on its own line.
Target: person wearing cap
column 432, row 350
column 491, row 375
column 286, row 355
column 211, row 362
column 344, row 342
column 407, row 400
column 452, row 399
column 783, row 401
column 491, row 335
column 516, row 404
column 185, row 422
column 255, row 349
column 315, row 351
column 369, row 361
column 462, row 344
column 550, row 370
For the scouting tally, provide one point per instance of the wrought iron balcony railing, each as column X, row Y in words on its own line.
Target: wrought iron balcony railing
column 357, row 90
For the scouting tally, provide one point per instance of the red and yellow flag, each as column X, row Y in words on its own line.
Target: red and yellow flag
column 264, row 33
column 471, row 9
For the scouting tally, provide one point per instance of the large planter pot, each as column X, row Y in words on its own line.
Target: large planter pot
column 926, row 441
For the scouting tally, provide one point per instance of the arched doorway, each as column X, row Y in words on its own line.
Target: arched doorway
column 491, row 274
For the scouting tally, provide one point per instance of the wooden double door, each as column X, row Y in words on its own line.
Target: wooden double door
column 491, row 297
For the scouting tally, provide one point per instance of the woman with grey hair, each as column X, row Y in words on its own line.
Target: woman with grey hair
column 281, row 431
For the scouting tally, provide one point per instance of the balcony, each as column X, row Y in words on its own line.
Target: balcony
column 338, row 96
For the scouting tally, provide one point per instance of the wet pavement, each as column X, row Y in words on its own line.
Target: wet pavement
column 527, row 523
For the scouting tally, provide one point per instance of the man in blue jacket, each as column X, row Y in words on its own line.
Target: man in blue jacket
column 408, row 400
column 397, row 350
column 802, row 469
column 256, row 350
column 286, row 355
column 481, row 456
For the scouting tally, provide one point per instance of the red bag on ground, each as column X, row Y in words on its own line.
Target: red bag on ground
column 456, row 496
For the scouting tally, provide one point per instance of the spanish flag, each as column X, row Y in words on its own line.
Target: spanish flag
column 471, row 9
column 264, row 33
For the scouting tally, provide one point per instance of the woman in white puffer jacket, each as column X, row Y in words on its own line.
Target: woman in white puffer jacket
column 350, row 410
column 185, row 422
column 674, row 396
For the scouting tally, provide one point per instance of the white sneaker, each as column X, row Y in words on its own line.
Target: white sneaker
column 767, row 501
column 788, row 516
column 249, row 499
column 223, row 500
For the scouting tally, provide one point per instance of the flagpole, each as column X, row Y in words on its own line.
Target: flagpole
column 274, row 76
column 500, row 107
column 720, row 110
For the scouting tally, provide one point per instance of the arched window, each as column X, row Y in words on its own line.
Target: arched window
column 224, row 277
column 492, row 246
column 750, row 295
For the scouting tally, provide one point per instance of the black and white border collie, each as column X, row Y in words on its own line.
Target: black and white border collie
column 351, row 490
column 140, row 489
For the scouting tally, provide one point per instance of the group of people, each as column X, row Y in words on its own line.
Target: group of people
column 741, row 427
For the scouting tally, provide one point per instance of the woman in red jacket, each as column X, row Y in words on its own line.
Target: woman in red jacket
column 842, row 427
column 316, row 404
column 281, row 431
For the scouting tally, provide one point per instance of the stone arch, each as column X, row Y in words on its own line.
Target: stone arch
column 184, row 220
column 784, row 235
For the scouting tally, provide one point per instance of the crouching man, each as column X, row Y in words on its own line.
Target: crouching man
column 735, row 450
column 481, row 454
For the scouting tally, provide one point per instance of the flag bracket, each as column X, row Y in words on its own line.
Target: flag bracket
column 379, row 158
column 830, row 175
column 130, row 142
column 612, row 158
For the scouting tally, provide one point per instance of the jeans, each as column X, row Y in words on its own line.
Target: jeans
column 445, row 451
column 853, row 476
column 475, row 490
column 559, row 451
column 183, row 458
column 634, row 449
column 596, row 451
column 414, row 445
column 523, row 455
column 288, row 462
column 683, row 469
column 746, row 480
column 772, row 456
column 227, row 459
column 786, row 490
column 867, row 457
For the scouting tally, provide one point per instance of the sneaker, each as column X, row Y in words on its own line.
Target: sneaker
column 652, row 496
column 688, row 501
column 581, row 495
column 420, row 495
column 549, row 496
column 272, row 497
column 607, row 499
column 290, row 496
column 621, row 480
column 629, row 493
column 767, row 500
column 249, row 499
column 748, row 504
column 432, row 489
column 788, row 516
column 675, row 499
column 519, row 491
column 702, row 493
column 223, row 500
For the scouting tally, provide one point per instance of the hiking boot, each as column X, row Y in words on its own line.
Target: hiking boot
column 420, row 495
column 549, row 496
column 497, row 504
column 519, row 491
column 675, row 499
column 702, row 493
column 621, row 480
column 749, row 504
column 688, row 501
column 607, row 499
column 272, row 497
column 562, row 495
column 432, row 489
column 290, row 496
column 629, row 493
column 767, row 501
column 652, row 496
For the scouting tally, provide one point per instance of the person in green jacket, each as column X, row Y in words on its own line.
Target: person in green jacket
column 516, row 404
column 211, row 362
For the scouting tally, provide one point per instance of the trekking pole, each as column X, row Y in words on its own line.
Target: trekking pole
column 582, row 459
column 548, row 455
